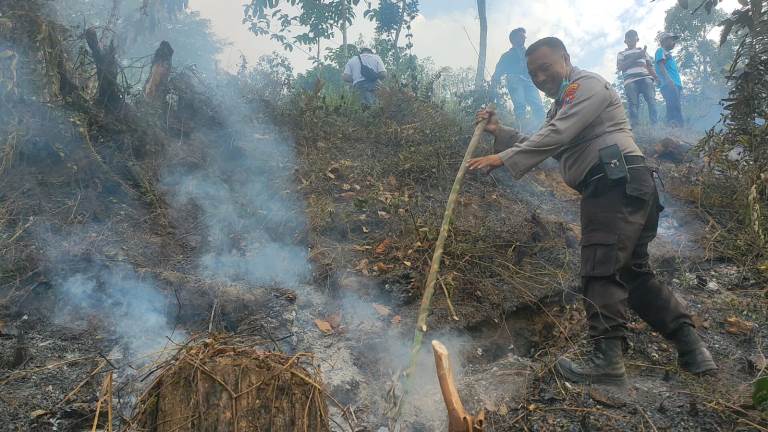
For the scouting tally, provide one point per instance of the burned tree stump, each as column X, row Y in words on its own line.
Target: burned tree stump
column 156, row 86
column 108, row 92
column 220, row 385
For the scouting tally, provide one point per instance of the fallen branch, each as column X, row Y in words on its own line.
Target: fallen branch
column 85, row 381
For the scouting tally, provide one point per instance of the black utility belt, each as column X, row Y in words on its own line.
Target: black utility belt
column 613, row 164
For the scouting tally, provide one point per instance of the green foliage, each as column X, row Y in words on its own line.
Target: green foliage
column 703, row 65
column 272, row 75
column 760, row 395
column 317, row 20
column 738, row 152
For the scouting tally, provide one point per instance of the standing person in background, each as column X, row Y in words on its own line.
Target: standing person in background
column 364, row 71
column 669, row 78
column 636, row 67
column 523, row 93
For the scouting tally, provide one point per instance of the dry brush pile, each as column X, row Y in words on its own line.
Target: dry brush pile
column 376, row 182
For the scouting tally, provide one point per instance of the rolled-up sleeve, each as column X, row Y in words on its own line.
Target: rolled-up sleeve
column 506, row 138
column 583, row 101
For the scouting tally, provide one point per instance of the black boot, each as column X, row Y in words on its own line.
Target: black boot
column 604, row 365
column 692, row 353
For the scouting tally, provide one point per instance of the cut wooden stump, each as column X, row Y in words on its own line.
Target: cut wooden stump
column 458, row 418
column 219, row 385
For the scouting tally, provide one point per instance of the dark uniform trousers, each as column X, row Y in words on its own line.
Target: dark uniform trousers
column 619, row 218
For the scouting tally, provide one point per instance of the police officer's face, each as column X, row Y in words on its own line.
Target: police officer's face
column 548, row 68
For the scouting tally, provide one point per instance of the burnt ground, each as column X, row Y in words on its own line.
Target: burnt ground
column 369, row 255
column 372, row 207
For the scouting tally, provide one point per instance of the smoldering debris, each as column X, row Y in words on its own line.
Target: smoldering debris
column 131, row 307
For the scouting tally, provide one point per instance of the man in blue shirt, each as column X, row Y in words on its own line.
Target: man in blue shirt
column 669, row 78
column 513, row 65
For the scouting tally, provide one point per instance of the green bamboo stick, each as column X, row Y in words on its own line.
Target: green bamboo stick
column 429, row 291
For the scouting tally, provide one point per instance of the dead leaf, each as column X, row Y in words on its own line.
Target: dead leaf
column 382, row 310
column 503, row 410
column 383, row 214
column 407, row 263
column 605, row 399
column 38, row 413
column 361, row 248
column 737, row 326
column 366, row 230
column 396, row 319
column 382, row 268
column 700, row 322
column 324, row 326
column 382, row 247
column 333, row 172
column 362, row 267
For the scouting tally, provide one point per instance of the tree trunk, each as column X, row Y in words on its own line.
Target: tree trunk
column 108, row 91
column 395, row 49
column 480, row 77
column 344, row 40
column 156, row 86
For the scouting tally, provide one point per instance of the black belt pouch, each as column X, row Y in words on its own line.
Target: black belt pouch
column 612, row 160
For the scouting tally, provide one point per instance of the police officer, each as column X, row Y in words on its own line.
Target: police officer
column 588, row 133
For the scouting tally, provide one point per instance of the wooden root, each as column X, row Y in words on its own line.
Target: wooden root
column 458, row 418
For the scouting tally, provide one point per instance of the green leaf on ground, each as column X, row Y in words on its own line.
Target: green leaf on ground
column 760, row 395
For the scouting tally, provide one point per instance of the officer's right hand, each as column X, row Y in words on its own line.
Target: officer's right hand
column 490, row 115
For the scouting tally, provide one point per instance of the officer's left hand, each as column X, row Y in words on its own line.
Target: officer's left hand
column 485, row 163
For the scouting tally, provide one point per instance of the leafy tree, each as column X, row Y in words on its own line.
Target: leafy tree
column 391, row 17
column 737, row 153
column 703, row 65
column 317, row 20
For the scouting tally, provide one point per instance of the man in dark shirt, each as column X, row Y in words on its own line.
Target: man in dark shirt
column 523, row 93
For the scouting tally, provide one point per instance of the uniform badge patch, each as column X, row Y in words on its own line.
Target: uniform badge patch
column 569, row 95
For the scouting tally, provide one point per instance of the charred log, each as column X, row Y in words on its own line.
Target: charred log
column 156, row 86
column 109, row 95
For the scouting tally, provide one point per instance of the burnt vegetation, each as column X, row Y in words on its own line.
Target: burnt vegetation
column 262, row 214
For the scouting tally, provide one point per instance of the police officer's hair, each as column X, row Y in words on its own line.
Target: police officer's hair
column 630, row 33
column 515, row 31
column 549, row 42
column 366, row 51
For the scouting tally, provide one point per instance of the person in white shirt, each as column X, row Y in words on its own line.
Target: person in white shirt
column 636, row 68
column 365, row 79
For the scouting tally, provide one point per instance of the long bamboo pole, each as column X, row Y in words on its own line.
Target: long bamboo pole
column 429, row 291
column 437, row 256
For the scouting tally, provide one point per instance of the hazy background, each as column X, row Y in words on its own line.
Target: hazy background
column 593, row 31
